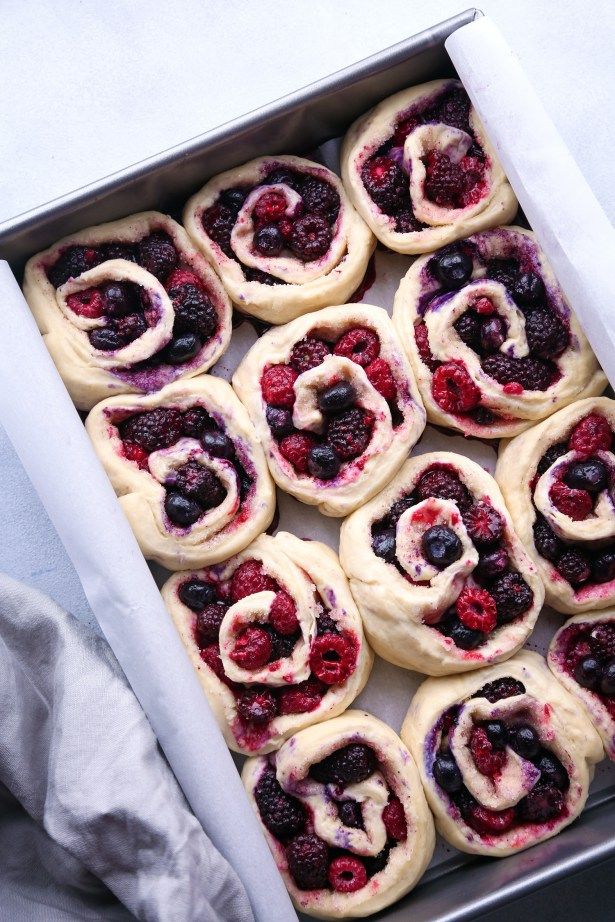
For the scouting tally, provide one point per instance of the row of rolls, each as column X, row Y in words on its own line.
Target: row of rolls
column 443, row 568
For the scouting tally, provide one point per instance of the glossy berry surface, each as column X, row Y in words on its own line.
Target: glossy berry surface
column 181, row 510
column 280, row 421
column 447, row 774
column 452, row 269
column 218, row 444
column 525, row 741
column 588, row 672
column 196, row 594
column 441, row 546
column 323, row 462
column 337, row 397
column 587, row 475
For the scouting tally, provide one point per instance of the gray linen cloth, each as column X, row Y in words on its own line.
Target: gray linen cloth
column 104, row 817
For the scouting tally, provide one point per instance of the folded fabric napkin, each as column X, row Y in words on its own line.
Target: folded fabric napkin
column 77, row 752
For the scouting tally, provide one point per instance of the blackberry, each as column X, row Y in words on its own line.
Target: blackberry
column 281, row 814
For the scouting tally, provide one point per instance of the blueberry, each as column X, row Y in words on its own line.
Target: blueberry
column 119, row 299
column 350, row 814
column 524, row 740
column 383, row 544
column 441, row 546
column 464, row 637
column 196, row 594
column 233, row 198
column 603, row 567
column 106, row 339
column 323, row 462
column 497, row 734
column 269, row 241
column 586, row 475
column 607, row 683
column 528, row 289
column 181, row 510
column 338, row 397
column 552, row 771
column 492, row 334
column 493, row 564
column 183, row 348
column 453, row 269
column 587, row 672
column 218, row 444
column 447, row 774
column 279, row 421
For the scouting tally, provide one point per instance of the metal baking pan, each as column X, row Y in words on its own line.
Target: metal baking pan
column 458, row 887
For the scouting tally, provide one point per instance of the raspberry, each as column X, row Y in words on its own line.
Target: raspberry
column 134, row 452
column 506, row 687
column 512, row 596
column 349, row 433
column 546, row 541
column 308, row 861
column 351, row 764
column 443, row 484
column 218, row 223
column 310, row 238
column 394, row 820
column 308, row 353
column 347, row 874
column 333, row 658
column 277, row 386
column 468, row 329
column 550, row 456
column 257, row 705
column 591, row 434
column 194, row 313
column 319, row 197
column 72, row 262
column 421, row 337
column 198, row 483
column 360, row 344
column 249, row 578
column 211, row 657
column 574, row 566
column 208, row 621
column 283, row 614
column 453, row 389
column 157, row 254
column 488, row 822
column 476, row 609
column 485, row 525
column 269, row 208
column 195, row 421
column 154, row 429
column 484, row 306
column 302, row 698
column 295, row 449
column 252, row 648
column 546, row 335
column 543, row 803
column 531, row 374
column 381, row 377
column 488, row 760
column 576, row 504
column 88, row 303
column 385, row 183
column 281, row 814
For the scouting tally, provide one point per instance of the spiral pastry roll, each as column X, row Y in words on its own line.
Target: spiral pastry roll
column 127, row 307
column 505, row 755
column 344, row 816
column 441, row 579
column 282, row 235
column 421, row 171
column 559, row 480
column 492, row 341
column 582, row 658
column 188, row 468
column 275, row 638
column 334, row 403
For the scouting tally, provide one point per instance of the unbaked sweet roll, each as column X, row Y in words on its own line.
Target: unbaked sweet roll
column 582, row 658
column 421, row 171
column 334, row 403
column 188, row 468
column 344, row 816
column 559, row 483
column 275, row 637
column 442, row 581
column 505, row 755
column 127, row 307
column 493, row 343
column 282, row 235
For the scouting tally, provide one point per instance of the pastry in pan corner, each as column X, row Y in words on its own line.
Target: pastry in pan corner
column 559, row 482
column 188, row 468
column 493, row 343
column 582, row 658
column 441, row 579
column 344, row 816
column 127, row 307
column 505, row 755
column 421, row 171
column 275, row 638
column 282, row 235
column 334, row 403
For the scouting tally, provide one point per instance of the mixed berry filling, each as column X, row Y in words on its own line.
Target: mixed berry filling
column 488, row 743
column 587, row 653
column 450, row 181
column 575, row 492
column 494, row 594
column 305, row 233
column 312, row 863
column 484, row 331
column 191, row 489
column 332, row 655
column 126, row 308
column 348, row 426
